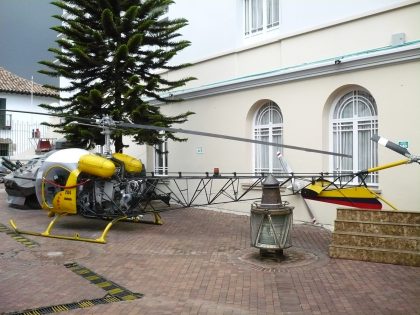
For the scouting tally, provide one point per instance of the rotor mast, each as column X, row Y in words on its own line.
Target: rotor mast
column 106, row 123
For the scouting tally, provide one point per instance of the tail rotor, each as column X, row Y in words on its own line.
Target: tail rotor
column 396, row 148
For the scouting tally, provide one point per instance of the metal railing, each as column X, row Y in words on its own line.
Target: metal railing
column 20, row 137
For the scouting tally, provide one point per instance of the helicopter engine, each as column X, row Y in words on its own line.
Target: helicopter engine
column 108, row 198
column 75, row 181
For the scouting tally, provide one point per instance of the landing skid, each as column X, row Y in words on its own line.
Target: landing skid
column 76, row 237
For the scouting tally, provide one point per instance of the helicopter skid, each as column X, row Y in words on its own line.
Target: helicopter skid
column 76, row 237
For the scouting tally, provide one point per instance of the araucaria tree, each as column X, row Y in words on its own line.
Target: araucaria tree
column 112, row 53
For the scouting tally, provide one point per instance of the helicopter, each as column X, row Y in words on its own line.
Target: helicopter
column 110, row 186
column 113, row 186
column 76, row 181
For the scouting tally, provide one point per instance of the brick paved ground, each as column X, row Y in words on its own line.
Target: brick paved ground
column 198, row 262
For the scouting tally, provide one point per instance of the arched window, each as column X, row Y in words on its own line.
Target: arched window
column 354, row 121
column 268, row 126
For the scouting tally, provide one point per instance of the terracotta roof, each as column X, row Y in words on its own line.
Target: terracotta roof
column 11, row 83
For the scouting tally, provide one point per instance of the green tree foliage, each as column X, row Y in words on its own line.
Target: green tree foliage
column 112, row 52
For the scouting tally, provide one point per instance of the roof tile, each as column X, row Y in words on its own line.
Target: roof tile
column 11, row 83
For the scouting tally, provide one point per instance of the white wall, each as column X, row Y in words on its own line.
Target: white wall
column 216, row 26
column 213, row 26
column 24, row 102
column 358, row 36
column 297, row 15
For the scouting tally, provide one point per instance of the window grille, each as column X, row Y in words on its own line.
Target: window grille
column 261, row 15
column 268, row 127
column 273, row 13
column 19, row 135
column 354, row 122
column 161, row 158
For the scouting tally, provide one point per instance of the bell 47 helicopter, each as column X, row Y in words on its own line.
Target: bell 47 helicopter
column 76, row 181
column 115, row 187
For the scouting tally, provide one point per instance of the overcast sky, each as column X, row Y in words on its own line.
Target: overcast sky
column 25, row 37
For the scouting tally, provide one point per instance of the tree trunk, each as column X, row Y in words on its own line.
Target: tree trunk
column 118, row 143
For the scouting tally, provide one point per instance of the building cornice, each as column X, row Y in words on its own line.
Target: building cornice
column 332, row 66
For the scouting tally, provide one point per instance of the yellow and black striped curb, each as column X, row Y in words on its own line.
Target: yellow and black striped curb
column 110, row 287
column 69, row 306
column 18, row 237
column 115, row 293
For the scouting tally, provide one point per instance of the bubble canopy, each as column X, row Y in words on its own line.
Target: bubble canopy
column 54, row 173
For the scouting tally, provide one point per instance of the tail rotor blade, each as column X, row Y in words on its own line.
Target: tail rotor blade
column 391, row 145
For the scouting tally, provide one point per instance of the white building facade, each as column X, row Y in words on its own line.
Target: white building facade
column 320, row 74
column 21, row 133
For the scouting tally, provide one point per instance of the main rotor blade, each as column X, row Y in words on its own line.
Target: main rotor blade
column 391, row 145
column 186, row 131
column 47, row 114
column 220, row 136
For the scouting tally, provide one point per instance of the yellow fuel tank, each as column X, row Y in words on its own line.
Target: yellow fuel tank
column 96, row 165
column 131, row 164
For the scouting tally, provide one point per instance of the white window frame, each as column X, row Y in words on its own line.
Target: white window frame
column 358, row 128
column 161, row 158
column 267, row 132
column 261, row 16
column 272, row 14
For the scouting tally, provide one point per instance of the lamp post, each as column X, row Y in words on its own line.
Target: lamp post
column 271, row 220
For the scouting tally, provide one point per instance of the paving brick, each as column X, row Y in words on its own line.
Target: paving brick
column 198, row 262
